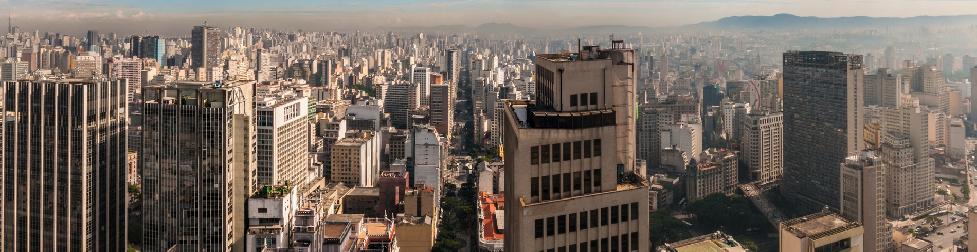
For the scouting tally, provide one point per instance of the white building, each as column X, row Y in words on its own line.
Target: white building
column 270, row 217
column 283, row 139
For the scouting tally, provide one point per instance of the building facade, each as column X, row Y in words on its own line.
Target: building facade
column 863, row 185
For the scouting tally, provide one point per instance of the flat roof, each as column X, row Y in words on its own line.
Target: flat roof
column 818, row 225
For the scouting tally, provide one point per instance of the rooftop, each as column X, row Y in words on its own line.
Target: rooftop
column 714, row 242
column 818, row 225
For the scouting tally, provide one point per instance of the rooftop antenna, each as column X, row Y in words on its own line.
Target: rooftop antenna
column 579, row 46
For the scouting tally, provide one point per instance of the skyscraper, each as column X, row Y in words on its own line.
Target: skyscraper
column 396, row 101
column 883, row 89
column 64, row 165
column 762, row 146
column 283, row 139
column 421, row 81
column 197, row 157
column 569, row 157
column 905, row 151
column 206, row 48
column 822, row 123
column 94, row 41
column 442, row 109
column 863, row 191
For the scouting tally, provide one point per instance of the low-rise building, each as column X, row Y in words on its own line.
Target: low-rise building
column 824, row 231
column 714, row 242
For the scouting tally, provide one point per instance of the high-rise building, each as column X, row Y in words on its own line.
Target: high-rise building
column 64, row 165
column 822, row 124
column 658, row 115
column 87, row 66
column 442, row 109
column 905, row 152
column 973, row 94
column 130, row 70
column 424, row 149
column 283, row 139
column 883, row 89
column 569, row 157
column 762, row 146
column 421, row 81
column 94, row 41
column 356, row 160
column 863, row 186
column 153, row 47
column 205, row 51
column 396, row 101
column 197, row 157
column 452, row 59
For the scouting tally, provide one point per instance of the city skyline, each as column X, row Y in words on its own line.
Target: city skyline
column 170, row 16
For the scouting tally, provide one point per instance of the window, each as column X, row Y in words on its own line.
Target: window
column 634, row 210
column 546, row 187
column 545, row 153
column 573, row 222
column 573, row 100
column 534, row 186
column 534, row 155
column 583, row 247
column 624, row 242
column 603, row 216
column 624, row 212
column 586, row 149
column 566, row 182
column 583, row 100
column 561, row 226
column 573, row 248
column 593, row 246
column 593, row 98
column 583, row 220
column 556, row 152
column 550, row 226
column 634, row 240
column 576, row 181
column 597, row 147
column 603, row 245
column 566, row 151
column 538, row 226
column 262, row 210
column 587, row 182
column 614, row 243
column 556, row 183
column 576, row 150
column 593, row 218
column 597, row 178
column 561, row 249
column 614, row 215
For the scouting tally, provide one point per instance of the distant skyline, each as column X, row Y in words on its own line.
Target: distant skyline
column 174, row 16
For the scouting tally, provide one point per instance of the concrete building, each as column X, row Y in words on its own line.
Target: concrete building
column 686, row 137
column 421, row 82
column 762, row 146
column 205, row 50
column 909, row 168
column 65, row 149
column 87, row 66
column 129, row 69
column 813, row 106
column 972, row 229
column 271, row 213
column 884, row 89
column 195, row 132
column 957, row 139
column 283, row 139
column 424, row 148
column 655, row 116
column 356, row 160
column 973, row 95
column 863, row 192
column 714, row 171
column 396, row 97
column 569, row 157
column 442, row 110
column 822, row 231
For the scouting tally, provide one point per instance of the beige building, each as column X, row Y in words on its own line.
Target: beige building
column 863, row 185
column 283, row 139
column 442, row 109
column 714, row 242
column 972, row 229
column 824, row 231
column 569, row 157
column 905, row 152
column 762, row 146
column 714, row 171
column 355, row 160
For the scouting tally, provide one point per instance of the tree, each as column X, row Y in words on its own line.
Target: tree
column 734, row 214
column 665, row 228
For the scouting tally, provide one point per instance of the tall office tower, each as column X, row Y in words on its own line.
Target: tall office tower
column 863, row 191
column 762, row 146
column 714, row 171
column 822, row 124
column 442, row 109
column 355, row 160
column 135, row 46
column 929, row 86
column 130, row 70
column 283, row 139
column 396, row 101
column 87, row 66
column 13, row 69
column 205, row 49
column 905, row 151
column 197, row 157
column 324, row 73
column 569, row 160
column 154, row 47
column 94, row 42
column 421, row 80
column 452, row 65
column 973, row 94
column 64, row 165
column 424, row 149
column 655, row 116
column 883, row 89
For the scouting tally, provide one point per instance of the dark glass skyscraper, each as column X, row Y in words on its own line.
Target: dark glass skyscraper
column 822, row 123
column 64, row 166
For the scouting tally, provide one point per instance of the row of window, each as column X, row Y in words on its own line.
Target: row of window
column 565, row 151
column 587, row 181
column 583, row 100
column 569, row 223
column 611, row 244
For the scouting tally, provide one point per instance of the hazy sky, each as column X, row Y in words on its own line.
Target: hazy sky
column 175, row 16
